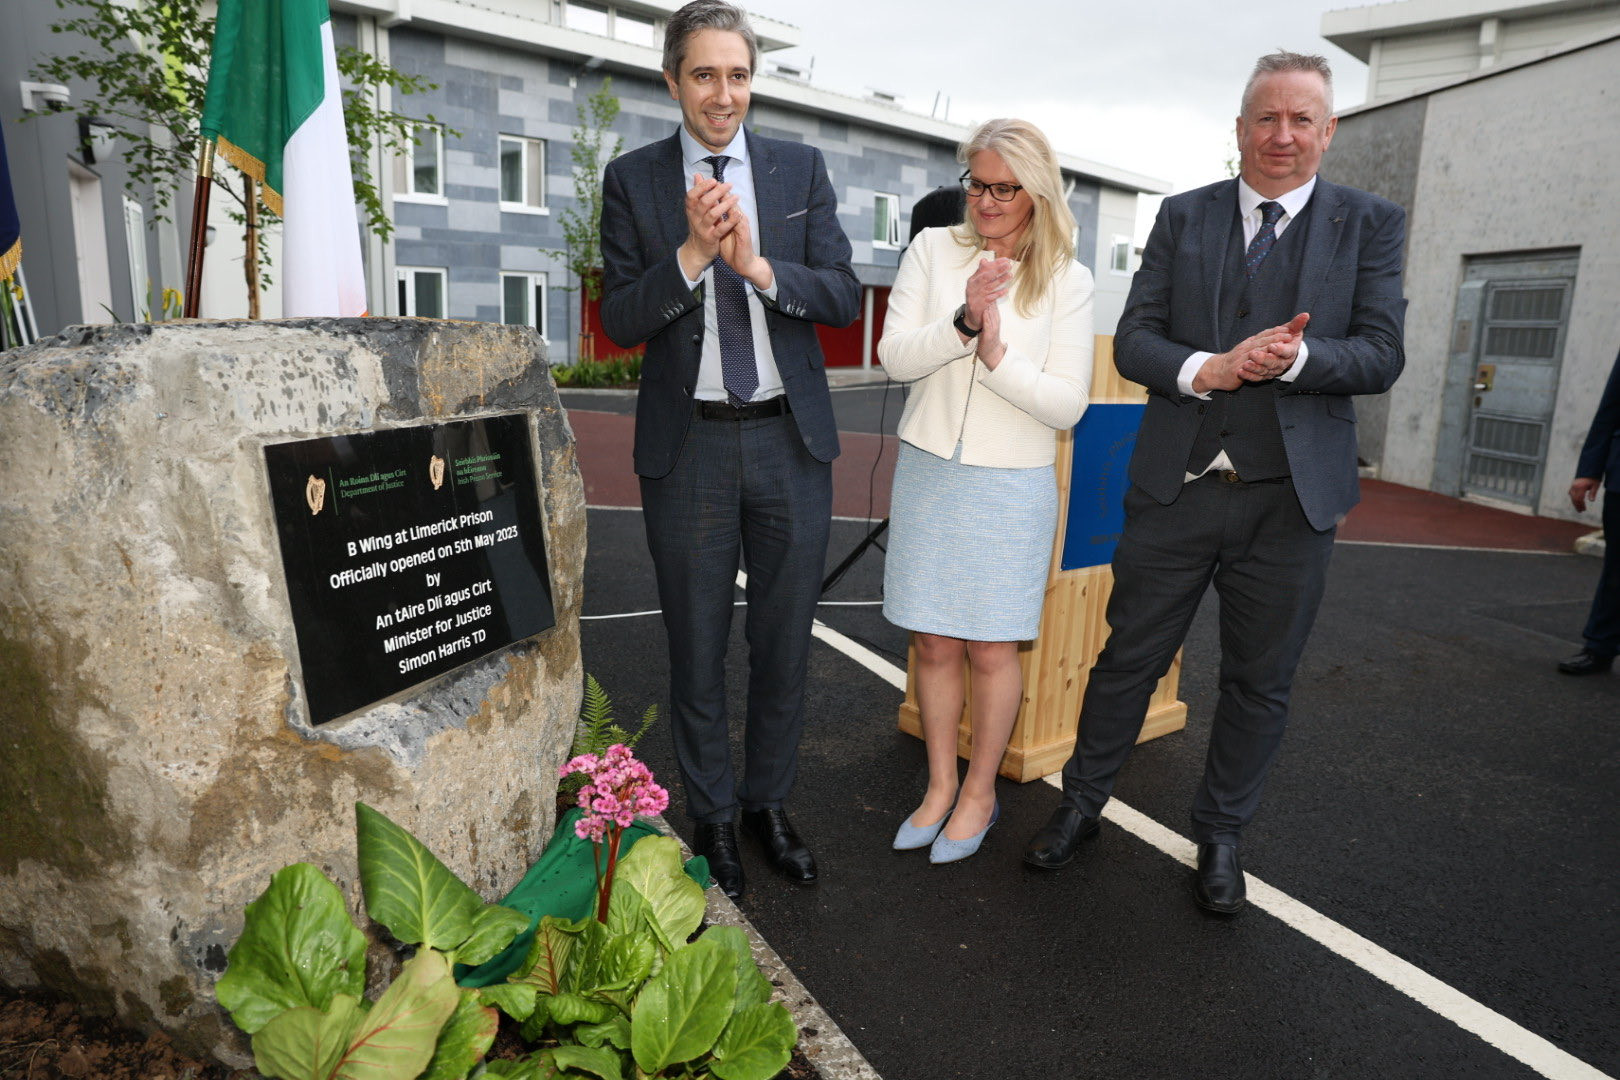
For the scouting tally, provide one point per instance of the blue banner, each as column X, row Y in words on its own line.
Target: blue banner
column 1103, row 441
column 10, row 224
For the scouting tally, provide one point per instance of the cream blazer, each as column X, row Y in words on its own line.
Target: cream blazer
column 1005, row 418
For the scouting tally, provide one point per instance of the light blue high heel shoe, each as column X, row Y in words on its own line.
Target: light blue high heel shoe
column 914, row 837
column 946, row 850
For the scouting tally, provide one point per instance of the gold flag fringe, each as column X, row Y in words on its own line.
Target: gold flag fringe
column 254, row 168
column 10, row 260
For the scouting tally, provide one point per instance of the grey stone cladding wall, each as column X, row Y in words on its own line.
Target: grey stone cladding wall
column 486, row 91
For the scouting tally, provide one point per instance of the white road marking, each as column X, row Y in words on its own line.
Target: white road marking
column 1517, row 1042
column 1451, row 547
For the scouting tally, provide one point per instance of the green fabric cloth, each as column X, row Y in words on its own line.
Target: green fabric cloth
column 562, row 883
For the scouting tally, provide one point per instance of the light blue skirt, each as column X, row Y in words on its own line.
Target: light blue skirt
column 969, row 547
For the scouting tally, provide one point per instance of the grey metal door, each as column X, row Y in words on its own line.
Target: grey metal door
column 1522, row 317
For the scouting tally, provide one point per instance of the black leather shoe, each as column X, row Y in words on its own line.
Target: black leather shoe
column 786, row 851
column 1054, row 845
column 718, row 844
column 1586, row 662
column 1218, row 881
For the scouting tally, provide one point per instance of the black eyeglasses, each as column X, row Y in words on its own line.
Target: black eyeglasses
column 998, row 192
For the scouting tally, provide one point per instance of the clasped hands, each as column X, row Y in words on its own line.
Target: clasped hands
column 716, row 227
column 985, row 286
column 1263, row 356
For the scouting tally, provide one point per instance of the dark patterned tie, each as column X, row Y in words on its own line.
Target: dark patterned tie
column 737, row 367
column 1260, row 246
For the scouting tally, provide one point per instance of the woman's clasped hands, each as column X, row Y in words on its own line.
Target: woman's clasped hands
column 985, row 287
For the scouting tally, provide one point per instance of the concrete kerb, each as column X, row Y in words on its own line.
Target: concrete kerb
column 820, row 1038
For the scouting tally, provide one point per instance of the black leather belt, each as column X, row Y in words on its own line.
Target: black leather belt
column 757, row 410
column 1230, row 476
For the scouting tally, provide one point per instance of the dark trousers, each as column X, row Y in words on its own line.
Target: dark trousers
column 1603, row 624
column 1269, row 568
column 750, row 491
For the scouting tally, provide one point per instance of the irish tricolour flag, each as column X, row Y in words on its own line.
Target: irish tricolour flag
column 275, row 109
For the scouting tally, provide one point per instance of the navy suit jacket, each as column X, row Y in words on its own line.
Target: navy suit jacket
column 1600, row 457
column 646, row 298
column 1350, row 282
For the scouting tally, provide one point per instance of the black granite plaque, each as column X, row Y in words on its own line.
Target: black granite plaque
column 408, row 553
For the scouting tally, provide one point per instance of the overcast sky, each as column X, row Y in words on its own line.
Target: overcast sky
column 1146, row 85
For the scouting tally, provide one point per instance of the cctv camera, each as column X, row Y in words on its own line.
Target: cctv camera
column 39, row 97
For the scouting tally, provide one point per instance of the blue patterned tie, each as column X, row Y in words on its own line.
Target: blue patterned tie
column 1260, row 246
column 737, row 367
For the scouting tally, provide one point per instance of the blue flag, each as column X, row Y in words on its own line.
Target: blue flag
column 10, row 225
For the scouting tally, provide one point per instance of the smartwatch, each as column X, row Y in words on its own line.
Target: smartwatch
column 960, row 322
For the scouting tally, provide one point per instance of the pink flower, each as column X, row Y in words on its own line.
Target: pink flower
column 619, row 788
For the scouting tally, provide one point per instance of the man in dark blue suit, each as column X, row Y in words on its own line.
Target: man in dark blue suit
column 1262, row 305
column 1600, row 461
column 722, row 250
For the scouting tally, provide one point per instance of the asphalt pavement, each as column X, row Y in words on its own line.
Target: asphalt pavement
column 1444, row 797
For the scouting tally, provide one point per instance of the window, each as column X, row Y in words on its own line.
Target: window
column 885, row 220
column 421, row 291
column 140, row 285
column 419, row 172
column 17, row 325
column 590, row 18
column 636, row 29
column 1119, row 255
column 523, row 300
column 523, row 174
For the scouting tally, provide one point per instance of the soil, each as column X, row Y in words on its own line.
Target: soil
column 44, row 1038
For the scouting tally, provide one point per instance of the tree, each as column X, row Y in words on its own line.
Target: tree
column 581, row 223
column 148, row 79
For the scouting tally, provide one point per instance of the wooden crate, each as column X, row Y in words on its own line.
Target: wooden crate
column 1056, row 664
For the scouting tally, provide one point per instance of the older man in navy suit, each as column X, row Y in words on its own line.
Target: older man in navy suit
column 722, row 250
column 1599, row 467
column 1262, row 305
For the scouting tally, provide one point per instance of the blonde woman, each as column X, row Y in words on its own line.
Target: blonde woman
column 991, row 323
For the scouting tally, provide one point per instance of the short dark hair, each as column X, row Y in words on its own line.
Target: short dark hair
column 705, row 15
column 940, row 208
column 1283, row 60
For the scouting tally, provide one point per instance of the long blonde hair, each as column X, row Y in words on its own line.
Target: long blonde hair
column 1048, row 241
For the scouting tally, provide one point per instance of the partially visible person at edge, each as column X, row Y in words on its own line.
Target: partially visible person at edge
column 991, row 320
column 1262, row 306
column 722, row 251
column 1598, row 467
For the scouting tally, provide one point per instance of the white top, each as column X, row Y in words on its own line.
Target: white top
column 1004, row 418
column 711, row 385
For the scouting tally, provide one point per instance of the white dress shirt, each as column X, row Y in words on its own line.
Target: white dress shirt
column 1249, row 215
column 711, row 385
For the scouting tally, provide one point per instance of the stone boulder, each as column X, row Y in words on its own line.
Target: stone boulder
column 157, row 763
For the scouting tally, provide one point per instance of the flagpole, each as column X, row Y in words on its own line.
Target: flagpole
column 199, row 230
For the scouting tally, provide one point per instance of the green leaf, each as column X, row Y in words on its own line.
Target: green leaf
column 627, row 911
column 514, row 999
column 464, row 1040
column 298, row 948
column 398, row 1035
column 493, row 928
column 615, row 1033
column 534, row 1028
column 756, row 1044
column 584, row 969
column 753, row 988
column 306, row 1043
column 547, row 963
column 408, row 889
column 598, row 1061
column 674, row 901
column 534, row 1067
column 578, row 1009
column 626, row 962
column 683, row 1009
